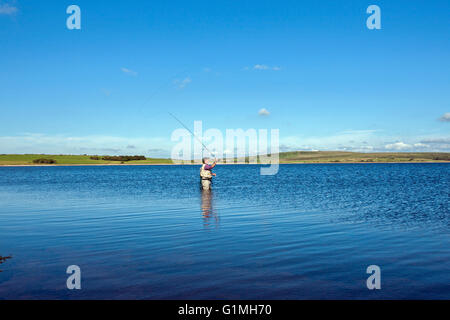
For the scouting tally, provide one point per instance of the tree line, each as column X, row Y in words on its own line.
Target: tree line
column 118, row 158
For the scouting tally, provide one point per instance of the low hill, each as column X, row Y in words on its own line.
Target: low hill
column 285, row 157
column 342, row 156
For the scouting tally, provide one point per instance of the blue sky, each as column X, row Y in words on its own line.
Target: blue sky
column 326, row 81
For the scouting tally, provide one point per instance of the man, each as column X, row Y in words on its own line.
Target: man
column 206, row 174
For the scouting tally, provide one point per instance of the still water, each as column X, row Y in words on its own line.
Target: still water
column 148, row 232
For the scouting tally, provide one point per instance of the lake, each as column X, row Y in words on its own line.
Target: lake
column 148, row 232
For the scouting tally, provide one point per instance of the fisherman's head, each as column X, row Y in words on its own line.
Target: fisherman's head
column 205, row 160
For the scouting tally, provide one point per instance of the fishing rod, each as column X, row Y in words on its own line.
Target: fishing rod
column 192, row 133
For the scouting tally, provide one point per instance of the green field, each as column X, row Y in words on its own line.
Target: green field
column 285, row 157
column 27, row 159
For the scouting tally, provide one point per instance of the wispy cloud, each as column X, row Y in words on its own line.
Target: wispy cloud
column 436, row 140
column 183, row 83
column 7, row 9
column 129, row 72
column 366, row 141
column 421, row 145
column 263, row 112
column 158, row 153
column 106, row 92
column 95, row 144
column 263, row 67
column 349, row 140
column 445, row 117
column 398, row 146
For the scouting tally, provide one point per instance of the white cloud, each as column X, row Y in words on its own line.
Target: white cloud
column 437, row 143
column 7, row 9
column 364, row 141
column 263, row 112
column 445, row 117
column 398, row 146
column 129, row 72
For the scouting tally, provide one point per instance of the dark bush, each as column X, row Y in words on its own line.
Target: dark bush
column 44, row 161
column 445, row 158
column 95, row 158
column 123, row 158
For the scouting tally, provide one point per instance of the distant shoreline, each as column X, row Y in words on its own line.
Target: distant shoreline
column 198, row 164
column 295, row 157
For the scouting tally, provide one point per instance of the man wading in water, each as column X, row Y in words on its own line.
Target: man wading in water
column 206, row 174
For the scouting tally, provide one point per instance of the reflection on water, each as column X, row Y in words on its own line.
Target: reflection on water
column 210, row 216
column 3, row 259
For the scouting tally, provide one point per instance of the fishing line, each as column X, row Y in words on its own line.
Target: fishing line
column 191, row 133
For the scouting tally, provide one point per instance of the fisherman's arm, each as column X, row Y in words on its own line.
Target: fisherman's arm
column 210, row 166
